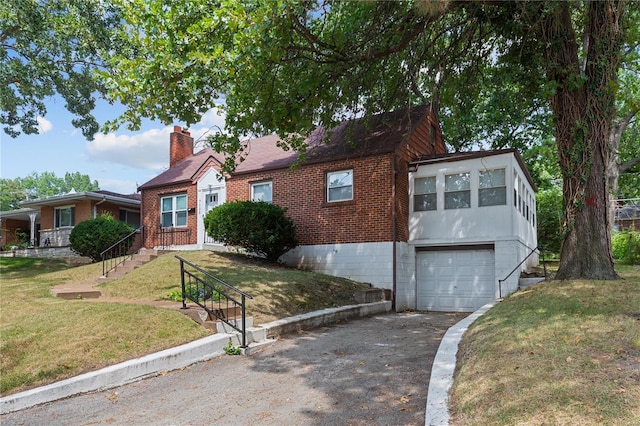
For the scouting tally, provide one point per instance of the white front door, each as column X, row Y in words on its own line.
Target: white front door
column 211, row 200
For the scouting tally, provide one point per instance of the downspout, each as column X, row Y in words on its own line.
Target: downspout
column 394, row 230
column 95, row 207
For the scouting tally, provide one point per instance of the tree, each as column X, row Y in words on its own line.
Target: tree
column 286, row 67
column 48, row 48
column 42, row 185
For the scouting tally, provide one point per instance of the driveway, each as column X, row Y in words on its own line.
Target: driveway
column 370, row 371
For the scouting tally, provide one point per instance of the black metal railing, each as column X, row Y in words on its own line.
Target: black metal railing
column 218, row 298
column 544, row 265
column 167, row 237
column 119, row 252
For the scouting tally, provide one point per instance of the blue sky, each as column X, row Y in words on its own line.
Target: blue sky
column 119, row 161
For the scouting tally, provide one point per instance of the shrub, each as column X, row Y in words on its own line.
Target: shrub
column 258, row 227
column 93, row 236
column 626, row 247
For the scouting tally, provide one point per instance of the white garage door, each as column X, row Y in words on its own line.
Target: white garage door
column 456, row 280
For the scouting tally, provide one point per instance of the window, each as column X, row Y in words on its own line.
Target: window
column 130, row 217
column 64, row 216
column 262, row 191
column 340, row 186
column 425, row 197
column 173, row 211
column 457, row 193
column 493, row 189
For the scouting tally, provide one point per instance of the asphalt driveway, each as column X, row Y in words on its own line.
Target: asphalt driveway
column 370, row 371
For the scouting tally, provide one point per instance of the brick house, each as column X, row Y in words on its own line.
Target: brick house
column 49, row 221
column 351, row 199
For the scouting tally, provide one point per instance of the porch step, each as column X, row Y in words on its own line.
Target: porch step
column 526, row 282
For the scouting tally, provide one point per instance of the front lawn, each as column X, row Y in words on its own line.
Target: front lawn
column 558, row 353
column 45, row 339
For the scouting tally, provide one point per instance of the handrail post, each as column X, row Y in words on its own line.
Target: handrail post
column 244, row 324
column 184, row 301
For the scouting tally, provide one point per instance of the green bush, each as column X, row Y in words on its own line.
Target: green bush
column 93, row 236
column 549, row 218
column 258, row 227
column 626, row 247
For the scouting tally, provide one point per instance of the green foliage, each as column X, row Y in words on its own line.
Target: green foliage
column 42, row 185
column 549, row 218
column 93, row 236
column 230, row 349
column 258, row 227
column 51, row 48
column 626, row 247
column 196, row 295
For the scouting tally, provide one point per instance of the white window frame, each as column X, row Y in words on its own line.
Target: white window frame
column 339, row 185
column 255, row 185
column 175, row 212
column 490, row 186
column 56, row 216
column 450, row 192
column 419, row 193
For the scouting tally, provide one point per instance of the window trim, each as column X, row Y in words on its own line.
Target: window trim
column 56, row 216
column 446, row 192
column 258, row 183
column 328, row 187
column 416, row 193
column 504, row 186
column 174, row 210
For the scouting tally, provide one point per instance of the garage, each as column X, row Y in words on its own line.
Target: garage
column 455, row 280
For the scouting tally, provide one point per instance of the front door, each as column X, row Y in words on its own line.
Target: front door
column 211, row 200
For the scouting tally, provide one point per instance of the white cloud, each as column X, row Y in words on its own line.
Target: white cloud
column 148, row 150
column 44, row 125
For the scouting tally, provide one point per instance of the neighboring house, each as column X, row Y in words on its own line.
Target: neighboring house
column 49, row 221
column 353, row 200
column 628, row 217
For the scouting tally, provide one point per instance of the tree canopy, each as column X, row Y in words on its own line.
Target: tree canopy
column 50, row 47
column 42, row 185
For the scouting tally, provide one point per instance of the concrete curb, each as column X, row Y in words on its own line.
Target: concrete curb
column 177, row 357
column 444, row 365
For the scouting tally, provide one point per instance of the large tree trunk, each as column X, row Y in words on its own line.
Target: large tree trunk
column 584, row 110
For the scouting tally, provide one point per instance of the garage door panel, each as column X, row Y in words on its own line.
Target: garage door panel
column 456, row 281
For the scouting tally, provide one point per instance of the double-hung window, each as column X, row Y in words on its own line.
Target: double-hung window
column 425, row 197
column 493, row 189
column 340, row 186
column 64, row 216
column 173, row 211
column 262, row 191
column 457, row 192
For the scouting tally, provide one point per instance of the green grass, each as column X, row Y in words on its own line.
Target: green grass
column 44, row 339
column 562, row 352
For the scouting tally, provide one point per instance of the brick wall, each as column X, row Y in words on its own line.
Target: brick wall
column 302, row 191
column 150, row 213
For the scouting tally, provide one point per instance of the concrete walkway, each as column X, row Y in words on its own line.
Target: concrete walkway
column 369, row 371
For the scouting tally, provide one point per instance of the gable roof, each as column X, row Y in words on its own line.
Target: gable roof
column 379, row 134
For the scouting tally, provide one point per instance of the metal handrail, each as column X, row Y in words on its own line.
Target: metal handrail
column 539, row 250
column 119, row 251
column 209, row 292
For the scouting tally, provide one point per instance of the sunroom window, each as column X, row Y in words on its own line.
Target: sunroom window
column 493, row 189
column 457, row 192
column 425, row 197
column 174, row 211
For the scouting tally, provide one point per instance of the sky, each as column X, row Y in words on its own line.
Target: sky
column 119, row 161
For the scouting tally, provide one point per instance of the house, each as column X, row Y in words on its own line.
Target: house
column 361, row 200
column 627, row 216
column 49, row 221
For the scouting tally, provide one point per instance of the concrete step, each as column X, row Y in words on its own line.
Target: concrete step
column 76, row 293
column 526, row 282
